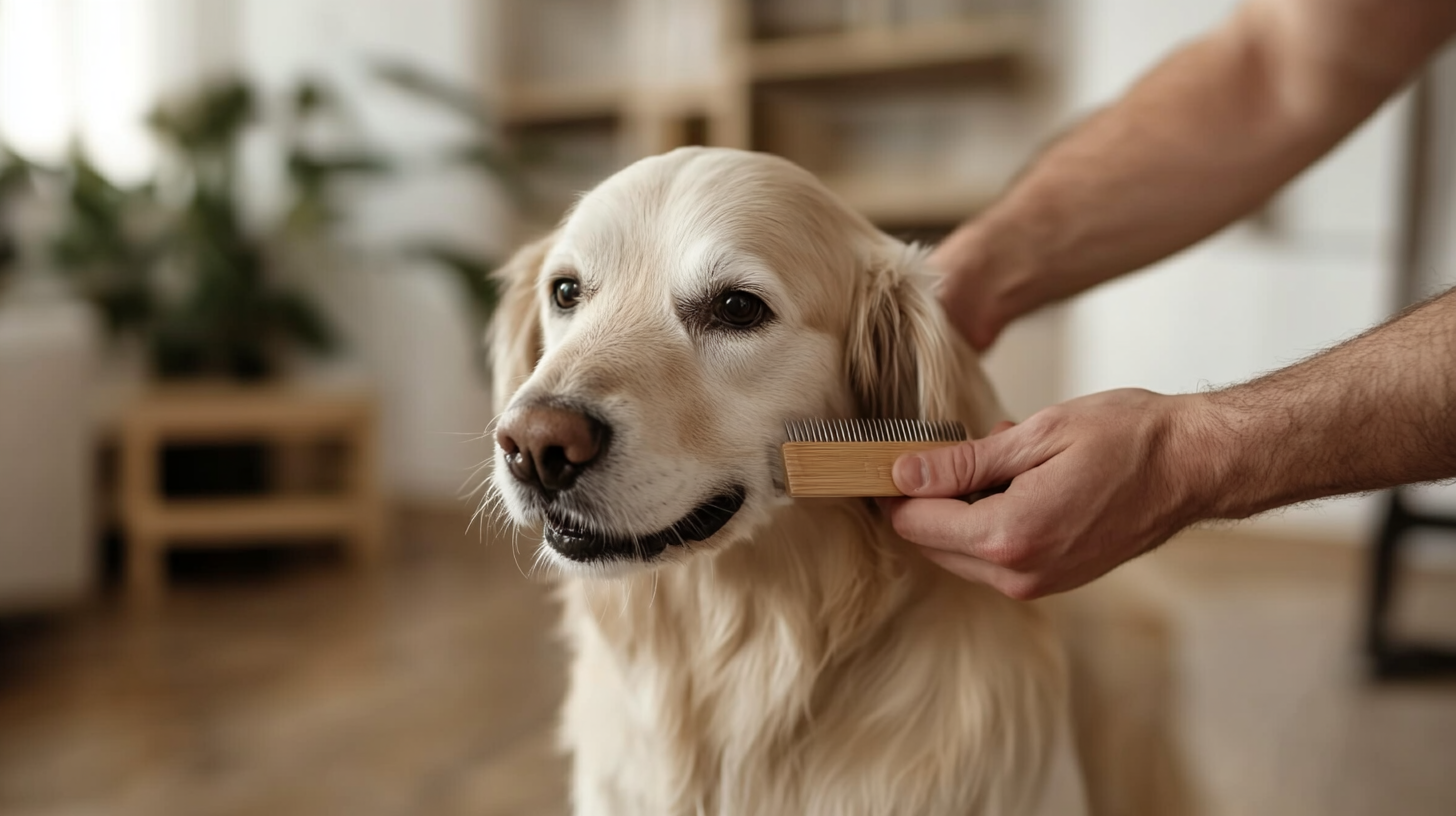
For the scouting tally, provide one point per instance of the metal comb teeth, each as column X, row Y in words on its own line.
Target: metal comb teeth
column 874, row 430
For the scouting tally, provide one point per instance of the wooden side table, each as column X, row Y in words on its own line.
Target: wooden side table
column 285, row 415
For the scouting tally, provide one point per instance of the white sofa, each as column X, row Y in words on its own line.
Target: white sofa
column 48, row 357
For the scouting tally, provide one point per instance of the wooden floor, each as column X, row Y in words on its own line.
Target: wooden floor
column 300, row 689
column 296, row 691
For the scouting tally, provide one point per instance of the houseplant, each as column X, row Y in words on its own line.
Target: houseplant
column 15, row 184
column 174, row 261
column 498, row 165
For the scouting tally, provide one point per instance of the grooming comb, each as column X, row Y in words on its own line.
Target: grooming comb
column 842, row 458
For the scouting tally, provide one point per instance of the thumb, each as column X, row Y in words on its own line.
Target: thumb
column 970, row 467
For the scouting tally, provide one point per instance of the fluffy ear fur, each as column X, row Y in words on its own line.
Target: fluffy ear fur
column 515, row 329
column 905, row 361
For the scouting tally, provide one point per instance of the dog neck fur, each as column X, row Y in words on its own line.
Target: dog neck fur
column 810, row 651
column 795, row 656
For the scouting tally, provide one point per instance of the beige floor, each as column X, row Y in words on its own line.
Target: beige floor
column 1280, row 716
column 303, row 690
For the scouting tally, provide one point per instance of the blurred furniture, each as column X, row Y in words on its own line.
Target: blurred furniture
column 914, row 111
column 47, row 362
column 290, row 418
column 1393, row 657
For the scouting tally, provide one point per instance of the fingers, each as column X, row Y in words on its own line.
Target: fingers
column 958, row 470
column 960, row 539
column 1013, row 585
column 967, row 567
column 953, row 525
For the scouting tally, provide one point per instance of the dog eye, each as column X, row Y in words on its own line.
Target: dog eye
column 565, row 292
column 739, row 310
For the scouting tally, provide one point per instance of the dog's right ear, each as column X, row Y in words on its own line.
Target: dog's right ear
column 515, row 328
column 904, row 361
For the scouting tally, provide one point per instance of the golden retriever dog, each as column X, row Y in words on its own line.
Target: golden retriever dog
column 736, row 651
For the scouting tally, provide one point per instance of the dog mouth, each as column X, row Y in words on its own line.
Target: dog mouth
column 584, row 544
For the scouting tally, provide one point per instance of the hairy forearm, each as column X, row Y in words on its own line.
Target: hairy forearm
column 1202, row 140
column 1374, row 412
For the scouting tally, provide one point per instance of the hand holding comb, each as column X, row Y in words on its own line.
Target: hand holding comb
column 845, row 458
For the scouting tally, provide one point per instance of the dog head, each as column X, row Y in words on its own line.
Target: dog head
column 647, row 355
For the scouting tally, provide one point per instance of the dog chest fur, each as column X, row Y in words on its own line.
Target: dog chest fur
column 775, row 677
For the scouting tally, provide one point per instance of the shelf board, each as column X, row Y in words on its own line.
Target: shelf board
column 525, row 104
column 891, row 49
column 203, row 521
column 911, row 201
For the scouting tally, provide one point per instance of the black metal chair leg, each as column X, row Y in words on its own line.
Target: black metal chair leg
column 1390, row 659
column 1382, row 578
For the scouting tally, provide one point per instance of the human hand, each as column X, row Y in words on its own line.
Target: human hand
column 1094, row 482
column 981, row 285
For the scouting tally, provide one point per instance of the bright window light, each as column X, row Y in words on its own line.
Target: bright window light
column 114, row 86
column 79, row 72
column 37, row 116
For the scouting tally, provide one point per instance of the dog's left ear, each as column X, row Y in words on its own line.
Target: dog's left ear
column 905, row 362
column 515, row 327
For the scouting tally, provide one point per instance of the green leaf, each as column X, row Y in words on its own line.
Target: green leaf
column 15, row 174
column 299, row 320
column 307, row 169
column 429, row 87
column 473, row 271
column 497, row 163
column 208, row 120
column 311, row 96
column 125, row 307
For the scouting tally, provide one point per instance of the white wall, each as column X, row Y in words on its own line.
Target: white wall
column 1249, row 300
column 405, row 322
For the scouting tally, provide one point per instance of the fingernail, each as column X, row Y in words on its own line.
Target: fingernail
column 911, row 473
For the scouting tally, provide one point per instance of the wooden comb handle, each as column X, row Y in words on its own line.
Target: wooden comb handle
column 851, row 469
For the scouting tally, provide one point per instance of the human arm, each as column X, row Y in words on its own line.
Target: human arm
column 1102, row 479
column 1203, row 139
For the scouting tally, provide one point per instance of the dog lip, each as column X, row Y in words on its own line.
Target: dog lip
column 580, row 543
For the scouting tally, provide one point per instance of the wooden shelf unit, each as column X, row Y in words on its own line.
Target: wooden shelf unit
column 910, row 202
column 284, row 415
column 526, row 104
column 874, row 50
column 651, row 110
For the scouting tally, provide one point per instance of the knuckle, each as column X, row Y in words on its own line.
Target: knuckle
column 1054, row 418
column 1021, row 558
column 963, row 463
column 1023, row 587
column 1009, row 553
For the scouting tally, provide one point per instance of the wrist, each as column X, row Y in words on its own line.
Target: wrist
column 992, row 277
column 1202, row 459
column 1225, row 468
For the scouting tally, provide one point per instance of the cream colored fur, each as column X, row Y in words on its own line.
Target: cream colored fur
column 803, row 660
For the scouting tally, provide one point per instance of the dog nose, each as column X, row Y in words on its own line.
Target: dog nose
column 548, row 448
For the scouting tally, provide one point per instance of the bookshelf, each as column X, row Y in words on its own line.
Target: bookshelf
column 915, row 111
column 876, row 49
